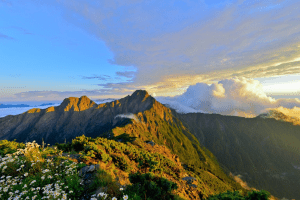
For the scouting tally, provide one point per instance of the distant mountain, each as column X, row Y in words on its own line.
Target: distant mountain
column 280, row 116
column 138, row 115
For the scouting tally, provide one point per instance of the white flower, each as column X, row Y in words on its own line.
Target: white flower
column 125, row 197
column 32, row 182
column 26, row 174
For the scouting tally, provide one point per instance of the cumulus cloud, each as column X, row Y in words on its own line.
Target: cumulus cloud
column 235, row 96
column 292, row 112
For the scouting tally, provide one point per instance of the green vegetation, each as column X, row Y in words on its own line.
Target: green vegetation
column 253, row 195
column 29, row 171
column 150, row 187
column 32, row 172
column 9, row 147
column 170, row 132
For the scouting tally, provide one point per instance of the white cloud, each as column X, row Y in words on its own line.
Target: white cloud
column 234, row 96
column 129, row 116
column 168, row 40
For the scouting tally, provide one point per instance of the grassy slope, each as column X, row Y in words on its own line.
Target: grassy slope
column 158, row 124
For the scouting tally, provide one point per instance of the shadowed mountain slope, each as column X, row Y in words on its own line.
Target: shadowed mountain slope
column 265, row 152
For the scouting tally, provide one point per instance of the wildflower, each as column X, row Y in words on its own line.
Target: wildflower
column 121, row 189
column 114, row 198
column 125, row 197
column 26, row 174
column 32, row 182
column 100, row 194
column 46, row 170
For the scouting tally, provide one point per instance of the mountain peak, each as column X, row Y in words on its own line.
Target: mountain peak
column 280, row 116
column 77, row 104
column 140, row 92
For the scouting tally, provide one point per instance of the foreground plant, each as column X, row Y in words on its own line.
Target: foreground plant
column 27, row 174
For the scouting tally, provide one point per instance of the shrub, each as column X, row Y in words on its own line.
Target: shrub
column 258, row 195
column 150, row 187
column 9, row 147
column 236, row 195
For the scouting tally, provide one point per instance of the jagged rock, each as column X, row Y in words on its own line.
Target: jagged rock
column 88, row 169
column 189, row 179
column 151, row 142
column 87, row 175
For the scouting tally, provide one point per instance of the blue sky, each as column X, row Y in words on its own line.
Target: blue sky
column 57, row 49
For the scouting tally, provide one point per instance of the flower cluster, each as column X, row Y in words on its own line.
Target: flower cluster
column 103, row 195
column 26, row 175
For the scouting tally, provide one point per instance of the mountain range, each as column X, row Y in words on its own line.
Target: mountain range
column 263, row 152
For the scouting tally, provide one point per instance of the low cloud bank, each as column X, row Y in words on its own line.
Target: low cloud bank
column 19, row 110
column 130, row 116
column 235, row 96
